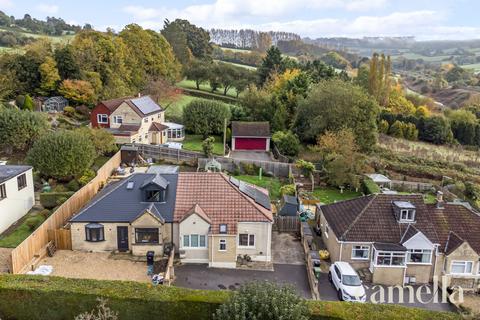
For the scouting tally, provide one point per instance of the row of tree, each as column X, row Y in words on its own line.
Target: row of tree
column 250, row 39
column 51, row 26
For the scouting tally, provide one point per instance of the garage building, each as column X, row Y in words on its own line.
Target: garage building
column 254, row 136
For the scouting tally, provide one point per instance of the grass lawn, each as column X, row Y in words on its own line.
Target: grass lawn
column 272, row 184
column 331, row 195
column 193, row 142
column 22, row 231
column 239, row 65
column 190, row 84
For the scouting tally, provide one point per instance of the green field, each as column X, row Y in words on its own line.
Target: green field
column 236, row 50
column 475, row 67
column 193, row 142
column 272, row 184
column 332, row 195
column 239, row 65
column 190, row 84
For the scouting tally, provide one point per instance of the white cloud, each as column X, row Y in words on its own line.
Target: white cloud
column 275, row 15
column 48, row 8
column 6, row 4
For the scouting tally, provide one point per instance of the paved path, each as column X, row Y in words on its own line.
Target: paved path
column 250, row 155
column 200, row 276
column 287, row 249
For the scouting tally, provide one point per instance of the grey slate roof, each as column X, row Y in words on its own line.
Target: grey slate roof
column 8, row 172
column 115, row 203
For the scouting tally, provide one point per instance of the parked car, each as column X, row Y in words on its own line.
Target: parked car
column 347, row 282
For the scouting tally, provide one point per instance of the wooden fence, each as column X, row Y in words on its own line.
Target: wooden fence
column 161, row 153
column 410, row 186
column 286, row 224
column 277, row 169
column 34, row 247
column 170, row 272
column 62, row 238
column 312, row 279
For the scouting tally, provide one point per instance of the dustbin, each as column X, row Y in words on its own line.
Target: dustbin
column 150, row 258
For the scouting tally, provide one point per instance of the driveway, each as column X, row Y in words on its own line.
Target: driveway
column 287, row 249
column 328, row 293
column 200, row 276
column 250, row 155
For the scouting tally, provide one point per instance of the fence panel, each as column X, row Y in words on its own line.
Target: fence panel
column 286, row 224
column 32, row 246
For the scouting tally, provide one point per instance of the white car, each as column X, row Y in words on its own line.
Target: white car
column 347, row 282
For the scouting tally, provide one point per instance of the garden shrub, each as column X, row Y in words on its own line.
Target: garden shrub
column 88, row 175
column 45, row 213
column 249, row 168
column 370, row 187
column 288, row 189
column 69, row 111
column 32, row 224
column 287, row 143
column 50, row 200
column 73, row 185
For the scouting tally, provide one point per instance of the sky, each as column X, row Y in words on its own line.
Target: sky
column 424, row 19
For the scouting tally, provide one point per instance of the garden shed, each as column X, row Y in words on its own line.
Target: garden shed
column 55, row 104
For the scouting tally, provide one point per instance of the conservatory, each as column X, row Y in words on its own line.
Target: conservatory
column 175, row 131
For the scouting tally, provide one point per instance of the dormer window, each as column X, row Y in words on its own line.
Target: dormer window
column 407, row 215
column 155, row 195
column 404, row 211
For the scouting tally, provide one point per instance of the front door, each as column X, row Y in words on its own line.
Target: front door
column 122, row 238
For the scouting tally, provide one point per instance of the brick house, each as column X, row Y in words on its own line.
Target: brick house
column 399, row 239
column 131, row 120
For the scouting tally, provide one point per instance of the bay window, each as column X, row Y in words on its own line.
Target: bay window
column 419, row 256
column 386, row 258
column 94, row 232
column 461, row 267
column 360, row 252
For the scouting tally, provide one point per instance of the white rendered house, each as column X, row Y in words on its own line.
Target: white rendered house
column 16, row 194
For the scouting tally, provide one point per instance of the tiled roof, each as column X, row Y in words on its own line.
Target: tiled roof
column 453, row 242
column 157, row 127
column 8, row 172
column 220, row 200
column 113, row 104
column 250, row 129
column 196, row 209
column 371, row 219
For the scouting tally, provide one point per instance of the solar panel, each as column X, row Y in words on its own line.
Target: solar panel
column 255, row 194
column 130, row 185
column 234, row 181
column 146, row 104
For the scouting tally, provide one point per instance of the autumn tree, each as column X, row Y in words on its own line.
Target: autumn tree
column 49, row 76
column 77, row 91
column 334, row 105
column 343, row 163
column 379, row 83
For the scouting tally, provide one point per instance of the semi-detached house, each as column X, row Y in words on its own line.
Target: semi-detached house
column 400, row 239
column 209, row 217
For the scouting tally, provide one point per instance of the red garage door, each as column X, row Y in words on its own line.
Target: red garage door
column 250, row 143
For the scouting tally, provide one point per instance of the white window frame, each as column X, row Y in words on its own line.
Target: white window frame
column 390, row 254
column 199, row 241
column 220, row 243
column 465, row 263
column 408, row 212
column 422, row 251
column 362, row 247
column 100, row 118
column 116, row 118
column 223, row 231
column 249, row 235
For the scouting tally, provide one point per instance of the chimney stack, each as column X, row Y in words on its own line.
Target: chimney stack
column 440, row 202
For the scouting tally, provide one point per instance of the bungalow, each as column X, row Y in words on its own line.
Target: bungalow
column 210, row 217
column 399, row 239
column 250, row 136
column 131, row 120
column 16, row 193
